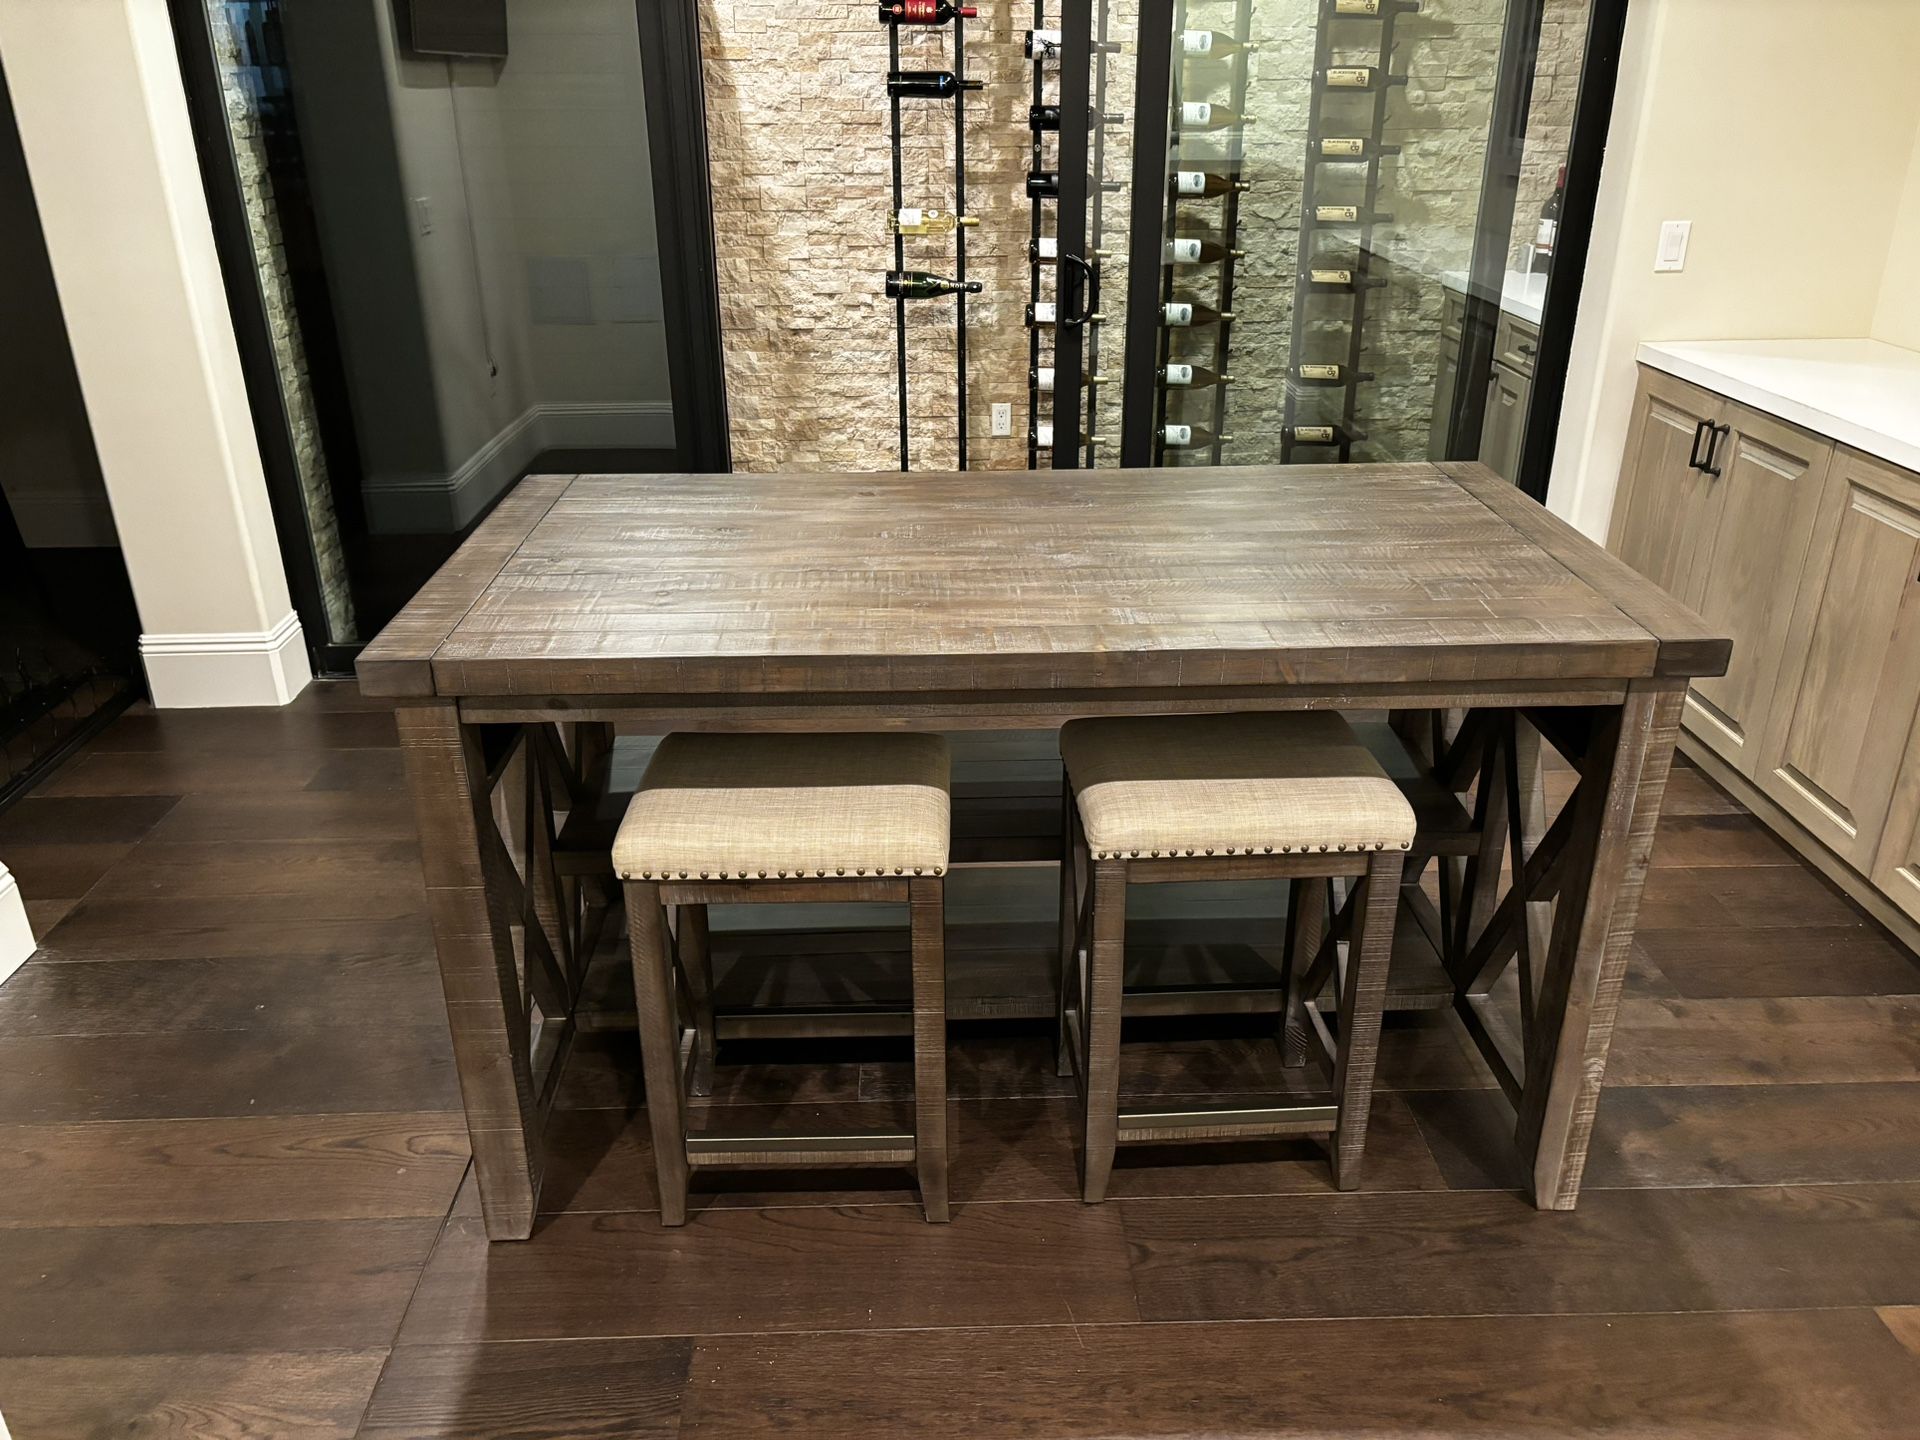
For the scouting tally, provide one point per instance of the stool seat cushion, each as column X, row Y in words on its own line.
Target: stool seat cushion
column 1248, row 784
column 770, row 807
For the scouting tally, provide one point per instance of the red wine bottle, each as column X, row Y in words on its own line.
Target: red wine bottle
column 1184, row 437
column 1329, row 375
column 928, row 84
column 1199, row 184
column 1176, row 376
column 923, row 285
column 1318, row 435
column 1043, row 117
column 1042, row 184
column 923, row 12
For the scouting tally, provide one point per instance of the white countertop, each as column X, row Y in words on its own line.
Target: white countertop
column 1522, row 296
column 1863, row 393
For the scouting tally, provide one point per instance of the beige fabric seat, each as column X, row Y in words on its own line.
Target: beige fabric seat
column 1241, row 784
column 782, row 807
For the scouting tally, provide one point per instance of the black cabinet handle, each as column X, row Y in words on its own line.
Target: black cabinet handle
column 1701, row 431
column 1715, row 434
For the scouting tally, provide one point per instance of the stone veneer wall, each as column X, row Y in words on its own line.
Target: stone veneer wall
column 248, row 81
column 797, row 119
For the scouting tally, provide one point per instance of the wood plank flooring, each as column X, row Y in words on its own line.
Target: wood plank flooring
column 235, row 1201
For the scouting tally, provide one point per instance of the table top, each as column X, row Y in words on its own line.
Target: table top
column 809, row 584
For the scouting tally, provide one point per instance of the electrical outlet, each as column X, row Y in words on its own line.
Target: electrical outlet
column 1003, row 420
column 1672, row 254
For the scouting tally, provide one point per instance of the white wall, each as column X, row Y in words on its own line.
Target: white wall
column 1782, row 129
column 1896, row 318
column 103, row 121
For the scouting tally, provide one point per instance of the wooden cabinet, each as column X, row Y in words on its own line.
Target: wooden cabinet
column 1808, row 554
column 1504, row 431
column 1722, row 521
column 1663, row 510
column 1849, row 685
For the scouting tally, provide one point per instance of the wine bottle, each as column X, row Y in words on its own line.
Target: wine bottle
column 1043, row 44
column 1176, row 376
column 1317, row 435
column 1183, row 437
column 1358, row 77
column 1042, row 378
column 1349, row 215
column 1372, row 9
column 923, row 285
column 1042, row 313
column 1200, row 184
column 1043, row 184
column 1548, row 234
column 1347, row 147
column 1178, row 314
column 1046, row 251
column 928, row 84
column 1188, row 250
column 923, row 12
column 1212, row 42
column 1206, row 115
column 1329, row 375
column 1043, row 117
column 1043, row 436
column 1343, row 279
column 912, row 220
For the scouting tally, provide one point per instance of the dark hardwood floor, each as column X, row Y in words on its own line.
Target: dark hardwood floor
column 234, row 1196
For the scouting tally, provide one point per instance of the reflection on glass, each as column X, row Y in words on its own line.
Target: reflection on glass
column 457, row 260
column 1323, row 205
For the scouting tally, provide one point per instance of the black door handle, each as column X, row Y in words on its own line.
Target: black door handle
column 1702, row 431
column 1077, row 313
column 1715, row 433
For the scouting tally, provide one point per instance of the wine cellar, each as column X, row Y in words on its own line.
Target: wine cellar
column 1339, row 150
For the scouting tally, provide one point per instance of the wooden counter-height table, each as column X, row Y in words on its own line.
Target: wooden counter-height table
column 1018, row 600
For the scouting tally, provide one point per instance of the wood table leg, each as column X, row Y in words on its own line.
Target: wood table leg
column 1624, row 777
column 486, row 1011
column 1100, row 1020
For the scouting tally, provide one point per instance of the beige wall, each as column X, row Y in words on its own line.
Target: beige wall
column 103, row 121
column 1896, row 318
column 1781, row 130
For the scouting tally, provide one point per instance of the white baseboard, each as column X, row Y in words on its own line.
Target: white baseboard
column 400, row 504
column 16, row 935
column 198, row 671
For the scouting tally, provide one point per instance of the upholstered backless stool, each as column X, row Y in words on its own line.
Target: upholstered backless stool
column 751, row 819
column 1181, row 798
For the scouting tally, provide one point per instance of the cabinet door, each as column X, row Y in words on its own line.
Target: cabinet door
column 1447, row 375
column 1664, row 509
column 1771, row 482
column 1504, row 430
column 1850, row 682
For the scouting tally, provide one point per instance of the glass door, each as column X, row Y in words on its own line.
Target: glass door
column 438, row 229
column 1351, row 216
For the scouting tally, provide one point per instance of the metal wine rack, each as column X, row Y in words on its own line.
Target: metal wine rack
column 1382, row 14
column 958, row 65
column 1102, row 48
column 1037, row 206
column 1232, row 162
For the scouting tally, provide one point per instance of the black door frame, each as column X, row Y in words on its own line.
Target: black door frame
column 671, row 76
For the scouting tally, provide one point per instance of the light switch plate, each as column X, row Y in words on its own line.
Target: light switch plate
column 423, row 214
column 1003, row 420
column 1672, row 254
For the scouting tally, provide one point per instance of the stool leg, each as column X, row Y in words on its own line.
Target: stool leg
column 696, row 964
column 659, row 1046
column 1100, row 1022
column 1369, row 955
column 928, row 903
column 1066, row 975
column 1306, row 922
